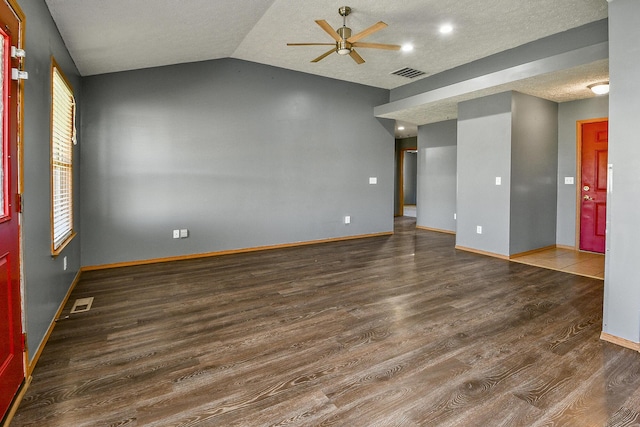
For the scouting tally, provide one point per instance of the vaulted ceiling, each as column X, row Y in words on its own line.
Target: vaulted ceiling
column 117, row 35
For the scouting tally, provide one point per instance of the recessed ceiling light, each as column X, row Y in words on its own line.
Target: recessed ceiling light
column 407, row 47
column 400, row 127
column 446, row 28
column 599, row 88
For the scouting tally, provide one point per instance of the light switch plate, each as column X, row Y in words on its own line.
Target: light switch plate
column 498, row 180
column 479, row 229
column 373, row 180
column 568, row 180
column 347, row 219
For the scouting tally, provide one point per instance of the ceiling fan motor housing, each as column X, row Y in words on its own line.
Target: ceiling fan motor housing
column 343, row 47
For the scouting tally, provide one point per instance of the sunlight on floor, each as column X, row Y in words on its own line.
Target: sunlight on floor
column 409, row 210
column 567, row 260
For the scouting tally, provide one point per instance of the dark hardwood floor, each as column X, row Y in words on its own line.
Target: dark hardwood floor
column 400, row 330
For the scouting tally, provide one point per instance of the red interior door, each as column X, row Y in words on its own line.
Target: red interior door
column 12, row 371
column 593, row 201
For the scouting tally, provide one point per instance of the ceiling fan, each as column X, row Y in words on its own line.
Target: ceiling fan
column 344, row 41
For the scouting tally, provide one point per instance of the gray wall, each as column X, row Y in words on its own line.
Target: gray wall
column 437, row 169
column 568, row 114
column 622, row 281
column 534, row 172
column 513, row 137
column 484, row 153
column 45, row 281
column 240, row 154
column 410, row 176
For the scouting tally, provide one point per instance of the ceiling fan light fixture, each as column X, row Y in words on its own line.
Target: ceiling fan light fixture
column 343, row 47
column 600, row 88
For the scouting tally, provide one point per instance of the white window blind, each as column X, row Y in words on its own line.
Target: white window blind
column 62, row 140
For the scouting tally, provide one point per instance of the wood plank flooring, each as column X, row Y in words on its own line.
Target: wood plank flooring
column 398, row 330
column 576, row 262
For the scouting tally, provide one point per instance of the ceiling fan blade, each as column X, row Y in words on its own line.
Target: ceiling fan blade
column 324, row 55
column 362, row 34
column 356, row 57
column 328, row 29
column 311, row 44
column 378, row 46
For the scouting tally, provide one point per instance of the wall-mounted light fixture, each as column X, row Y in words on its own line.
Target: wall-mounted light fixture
column 600, row 88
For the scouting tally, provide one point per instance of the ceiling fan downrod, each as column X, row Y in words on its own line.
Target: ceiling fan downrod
column 343, row 47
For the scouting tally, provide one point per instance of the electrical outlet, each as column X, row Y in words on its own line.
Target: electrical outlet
column 347, row 219
column 373, row 180
column 498, row 180
column 455, row 216
column 479, row 229
column 64, row 263
column 176, row 234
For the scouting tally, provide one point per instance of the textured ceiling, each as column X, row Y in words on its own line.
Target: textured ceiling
column 116, row 35
column 562, row 86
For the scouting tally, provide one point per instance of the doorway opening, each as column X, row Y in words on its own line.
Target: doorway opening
column 408, row 177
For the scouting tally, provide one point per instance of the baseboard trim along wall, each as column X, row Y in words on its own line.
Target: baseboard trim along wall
column 437, row 230
column 16, row 402
column 52, row 325
column 477, row 251
column 533, row 251
column 620, row 341
column 571, row 248
column 230, row 252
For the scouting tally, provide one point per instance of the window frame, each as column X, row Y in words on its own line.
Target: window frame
column 65, row 167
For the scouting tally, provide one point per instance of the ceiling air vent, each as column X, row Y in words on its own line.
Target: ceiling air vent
column 409, row 73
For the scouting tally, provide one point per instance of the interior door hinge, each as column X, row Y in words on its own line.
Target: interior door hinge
column 24, row 342
column 19, row 203
column 17, row 74
column 17, row 52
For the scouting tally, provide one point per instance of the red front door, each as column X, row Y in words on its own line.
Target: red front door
column 12, row 371
column 593, row 188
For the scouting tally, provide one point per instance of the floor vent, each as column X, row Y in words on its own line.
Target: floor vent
column 81, row 305
column 409, row 73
